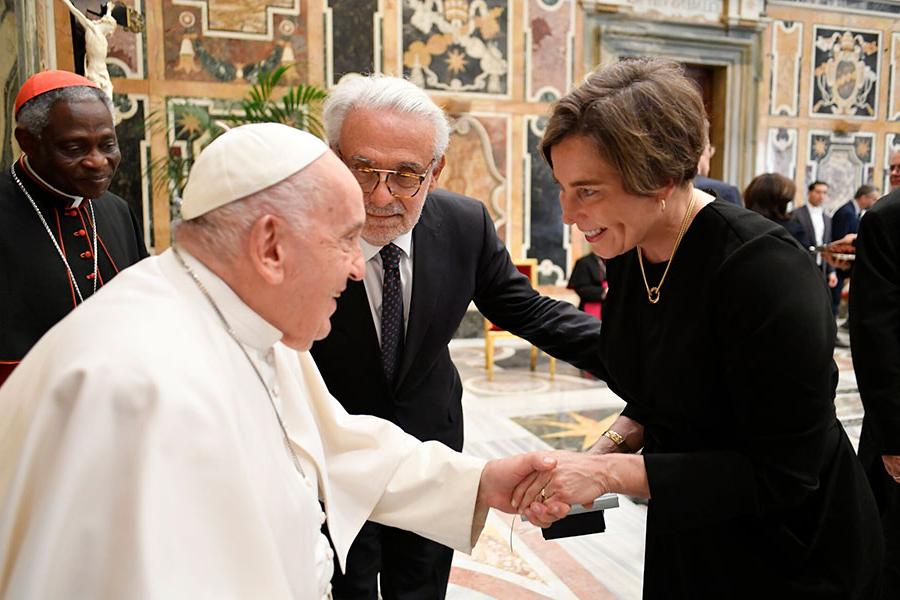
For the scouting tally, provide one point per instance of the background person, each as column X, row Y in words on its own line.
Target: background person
column 704, row 182
column 62, row 234
column 844, row 221
column 770, row 194
column 717, row 333
column 894, row 166
column 588, row 279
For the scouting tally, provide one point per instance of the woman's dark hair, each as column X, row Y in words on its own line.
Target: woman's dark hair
column 645, row 117
column 769, row 194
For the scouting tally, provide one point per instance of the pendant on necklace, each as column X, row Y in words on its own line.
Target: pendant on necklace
column 653, row 295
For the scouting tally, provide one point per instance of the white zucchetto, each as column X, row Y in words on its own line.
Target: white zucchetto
column 246, row 160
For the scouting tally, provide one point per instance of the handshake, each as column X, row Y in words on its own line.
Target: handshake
column 544, row 486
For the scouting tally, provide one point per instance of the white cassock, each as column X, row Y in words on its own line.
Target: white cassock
column 140, row 456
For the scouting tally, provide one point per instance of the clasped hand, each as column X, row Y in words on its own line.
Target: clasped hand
column 544, row 486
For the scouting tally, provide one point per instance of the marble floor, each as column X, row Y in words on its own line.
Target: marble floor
column 520, row 411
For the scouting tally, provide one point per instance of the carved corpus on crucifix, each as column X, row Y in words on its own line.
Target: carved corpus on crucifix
column 96, row 45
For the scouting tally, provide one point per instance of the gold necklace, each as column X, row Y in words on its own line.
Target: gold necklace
column 653, row 292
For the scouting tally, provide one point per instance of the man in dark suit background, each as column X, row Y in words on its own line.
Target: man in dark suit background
column 703, row 182
column 846, row 220
column 875, row 342
column 815, row 230
column 429, row 253
column 816, row 226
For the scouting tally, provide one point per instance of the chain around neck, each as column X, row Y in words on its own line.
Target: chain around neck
column 653, row 293
column 59, row 251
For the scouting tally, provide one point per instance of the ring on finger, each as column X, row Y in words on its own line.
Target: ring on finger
column 543, row 493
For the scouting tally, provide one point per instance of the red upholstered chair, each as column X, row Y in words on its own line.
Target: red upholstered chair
column 527, row 267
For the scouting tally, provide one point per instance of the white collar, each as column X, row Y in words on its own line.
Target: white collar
column 250, row 328
column 404, row 242
column 76, row 200
column 815, row 210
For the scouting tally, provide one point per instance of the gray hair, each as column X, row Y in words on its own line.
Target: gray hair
column 35, row 114
column 222, row 231
column 383, row 93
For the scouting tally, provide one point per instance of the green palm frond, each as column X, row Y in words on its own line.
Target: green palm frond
column 298, row 107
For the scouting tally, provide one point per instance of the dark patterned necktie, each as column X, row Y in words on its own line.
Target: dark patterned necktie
column 391, row 312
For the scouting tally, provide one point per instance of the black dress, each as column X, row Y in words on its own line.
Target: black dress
column 755, row 488
column 35, row 289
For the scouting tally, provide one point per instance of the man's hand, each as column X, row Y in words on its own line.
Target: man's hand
column 892, row 466
column 501, row 476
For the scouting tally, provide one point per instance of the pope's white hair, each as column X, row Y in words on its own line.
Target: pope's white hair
column 34, row 115
column 383, row 93
column 222, row 231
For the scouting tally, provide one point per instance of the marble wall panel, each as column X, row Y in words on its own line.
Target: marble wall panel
column 132, row 180
column 545, row 236
column 192, row 123
column 846, row 67
column 458, row 46
column 352, row 38
column 891, row 145
column 843, row 161
column 894, row 100
column 232, row 40
column 477, row 164
column 549, row 35
column 787, row 50
column 703, row 10
column 9, row 79
column 874, row 6
column 781, row 152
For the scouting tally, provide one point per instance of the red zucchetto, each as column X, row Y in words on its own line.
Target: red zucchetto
column 47, row 81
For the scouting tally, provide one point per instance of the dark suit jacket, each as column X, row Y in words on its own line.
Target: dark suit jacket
column 457, row 258
column 875, row 330
column 844, row 220
column 725, row 191
column 807, row 235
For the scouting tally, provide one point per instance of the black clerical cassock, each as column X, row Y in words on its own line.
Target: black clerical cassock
column 36, row 289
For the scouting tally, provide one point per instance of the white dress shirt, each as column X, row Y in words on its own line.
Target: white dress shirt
column 817, row 216
column 374, row 278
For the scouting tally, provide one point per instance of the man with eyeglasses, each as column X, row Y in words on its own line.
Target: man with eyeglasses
column 429, row 253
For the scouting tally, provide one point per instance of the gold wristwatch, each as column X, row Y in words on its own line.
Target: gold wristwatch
column 616, row 439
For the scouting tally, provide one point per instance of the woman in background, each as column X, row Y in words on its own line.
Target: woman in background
column 769, row 194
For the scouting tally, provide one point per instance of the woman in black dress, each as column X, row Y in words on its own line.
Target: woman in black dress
column 718, row 334
column 769, row 194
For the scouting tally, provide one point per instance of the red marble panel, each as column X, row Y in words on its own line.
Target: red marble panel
column 549, row 25
column 196, row 50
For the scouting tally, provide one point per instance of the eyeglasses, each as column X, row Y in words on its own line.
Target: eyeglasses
column 400, row 184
